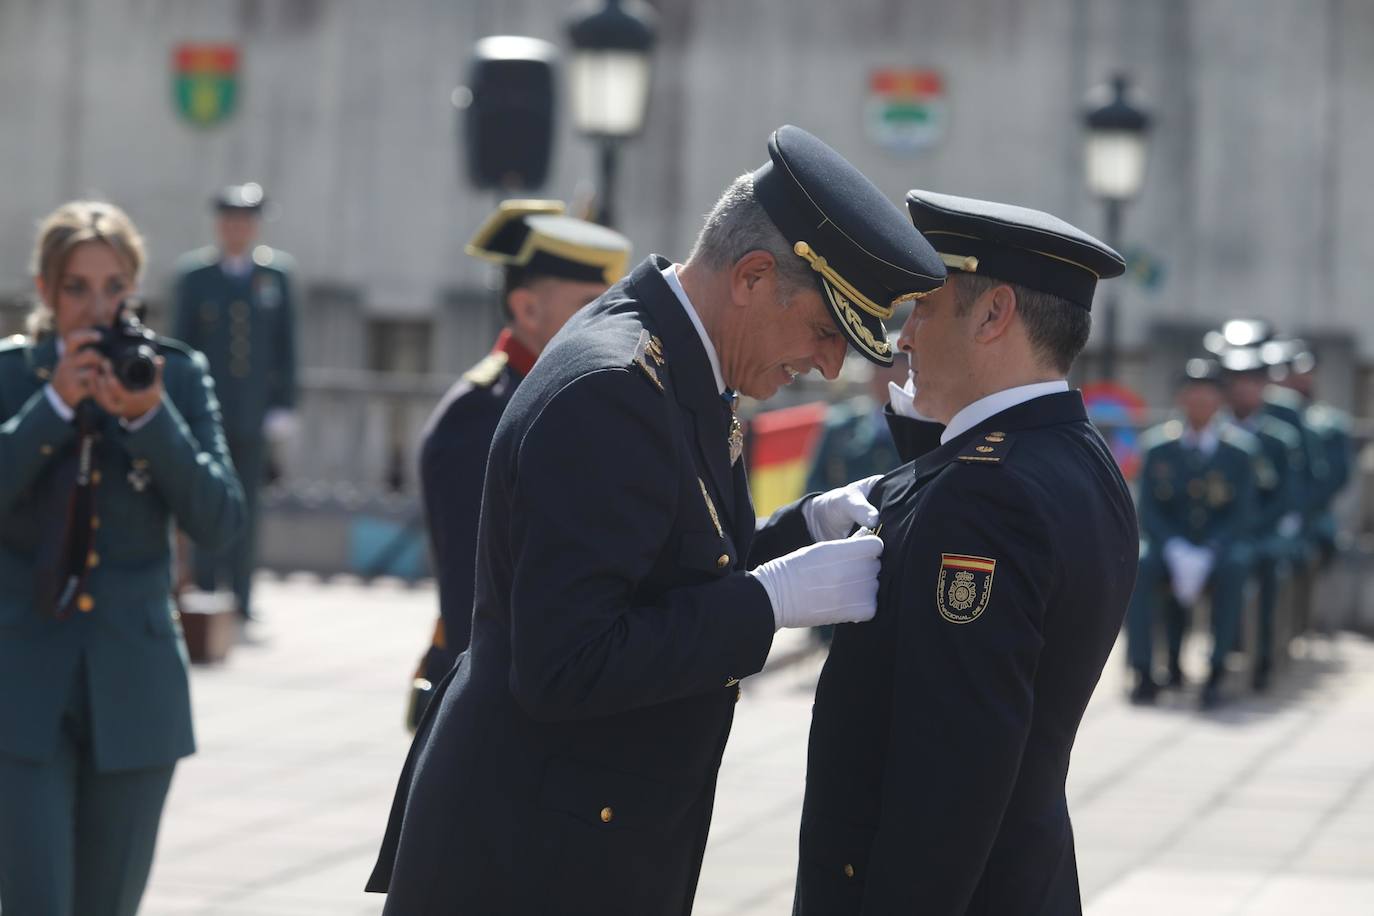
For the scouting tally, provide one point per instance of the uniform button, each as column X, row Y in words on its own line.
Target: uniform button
column 239, row 310
column 722, row 561
column 95, row 522
column 95, row 478
column 92, row 559
column 848, row 870
column 45, row 449
column 607, row 815
column 43, row 372
column 85, row 603
column 731, row 681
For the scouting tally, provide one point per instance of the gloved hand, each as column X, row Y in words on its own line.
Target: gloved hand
column 279, row 424
column 834, row 514
column 826, row 582
column 903, row 400
column 1189, row 566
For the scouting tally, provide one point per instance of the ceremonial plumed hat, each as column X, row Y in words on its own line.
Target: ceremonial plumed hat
column 866, row 255
column 1287, row 356
column 1015, row 244
column 243, row 198
column 536, row 236
column 1237, row 360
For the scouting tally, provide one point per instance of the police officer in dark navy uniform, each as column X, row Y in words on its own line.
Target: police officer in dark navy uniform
column 941, row 733
column 233, row 302
column 568, row 764
column 553, row 265
column 1199, row 485
column 1277, row 521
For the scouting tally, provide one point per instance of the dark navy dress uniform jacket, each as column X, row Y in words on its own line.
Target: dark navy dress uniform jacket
column 941, row 733
column 569, row 764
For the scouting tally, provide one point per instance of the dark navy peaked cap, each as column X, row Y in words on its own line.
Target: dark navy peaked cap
column 866, row 254
column 1027, row 247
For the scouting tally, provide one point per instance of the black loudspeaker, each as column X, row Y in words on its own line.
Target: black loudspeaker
column 508, row 122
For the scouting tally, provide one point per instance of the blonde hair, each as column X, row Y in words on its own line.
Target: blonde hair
column 65, row 229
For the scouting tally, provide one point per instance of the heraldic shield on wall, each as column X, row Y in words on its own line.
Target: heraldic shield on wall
column 965, row 586
column 205, row 81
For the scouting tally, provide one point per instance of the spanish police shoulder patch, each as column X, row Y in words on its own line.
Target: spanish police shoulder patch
column 486, row 372
column 649, row 356
column 964, row 587
column 989, row 448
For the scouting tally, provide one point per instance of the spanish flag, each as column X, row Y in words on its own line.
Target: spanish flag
column 780, row 447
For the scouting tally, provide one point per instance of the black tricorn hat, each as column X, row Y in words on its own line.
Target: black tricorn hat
column 535, row 236
column 867, row 256
column 1017, row 244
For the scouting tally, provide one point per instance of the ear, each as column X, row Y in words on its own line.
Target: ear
column 994, row 311
column 752, row 275
column 524, row 308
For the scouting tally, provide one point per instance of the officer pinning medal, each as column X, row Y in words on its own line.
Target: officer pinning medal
column 570, row 753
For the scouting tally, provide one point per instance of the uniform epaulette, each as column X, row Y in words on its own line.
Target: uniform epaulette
column 991, row 448
column 206, row 256
column 13, row 342
column 1169, row 431
column 485, row 373
column 266, row 256
column 1242, row 439
column 649, row 357
column 1325, row 418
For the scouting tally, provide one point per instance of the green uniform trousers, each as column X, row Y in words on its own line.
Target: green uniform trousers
column 74, row 841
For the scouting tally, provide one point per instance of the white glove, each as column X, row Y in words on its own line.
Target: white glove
column 1189, row 566
column 279, row 424
column 834, row 514
column 827, row 582
column 903, row 400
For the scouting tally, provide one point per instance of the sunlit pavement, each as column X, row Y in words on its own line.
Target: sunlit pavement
column 1265, row 807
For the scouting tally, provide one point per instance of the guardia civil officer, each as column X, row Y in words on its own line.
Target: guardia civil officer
column 569, row 764
column 1199, row 484
column 552, row 265
column 941, row 731
column 233, row 302
column 1293, row 366
column 1276, row 523
column 99, row 454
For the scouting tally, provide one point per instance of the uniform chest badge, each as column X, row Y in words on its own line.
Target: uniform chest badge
column 964, row 587
column 268, row 291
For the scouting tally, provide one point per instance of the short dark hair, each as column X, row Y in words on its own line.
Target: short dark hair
column 1058, row 329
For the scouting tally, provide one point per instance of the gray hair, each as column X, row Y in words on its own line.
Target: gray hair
column 737, row 225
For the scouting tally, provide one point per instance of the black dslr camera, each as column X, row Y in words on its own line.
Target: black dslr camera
column 130, row 347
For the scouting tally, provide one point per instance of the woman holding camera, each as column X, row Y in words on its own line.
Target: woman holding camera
column 102, row 446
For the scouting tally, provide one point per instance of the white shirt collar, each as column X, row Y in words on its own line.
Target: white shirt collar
column 1204, row 440
column 997, row 402
column 675, row 284
column 240, row 266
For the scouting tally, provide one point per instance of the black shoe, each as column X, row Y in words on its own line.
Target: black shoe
column 1260, row 679
column 1145, row 690
column 1176, row 680
column 1211, row 696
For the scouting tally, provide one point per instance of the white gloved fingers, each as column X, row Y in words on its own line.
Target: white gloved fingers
column 865, row 486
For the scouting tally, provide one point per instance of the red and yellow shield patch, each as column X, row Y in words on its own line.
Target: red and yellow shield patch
column 965, row 586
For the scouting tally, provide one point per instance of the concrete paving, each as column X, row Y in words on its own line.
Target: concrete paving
column 1266, row 807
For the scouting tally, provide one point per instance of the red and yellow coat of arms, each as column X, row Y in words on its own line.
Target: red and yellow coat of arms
column 965, row 586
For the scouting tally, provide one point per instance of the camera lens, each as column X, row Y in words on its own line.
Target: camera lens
column 136, row 370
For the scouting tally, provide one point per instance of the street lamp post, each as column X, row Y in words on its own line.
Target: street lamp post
column 1114, row 157
column 609, row 75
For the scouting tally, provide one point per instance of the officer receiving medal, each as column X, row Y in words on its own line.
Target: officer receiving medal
column 568, row 761
column 941, row 731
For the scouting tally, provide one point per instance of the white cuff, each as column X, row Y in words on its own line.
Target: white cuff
column 137, row 424
column 58, row 405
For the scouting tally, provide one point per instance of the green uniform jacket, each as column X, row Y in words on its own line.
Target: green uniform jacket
column 134, row 657
column 1205, row 499
column 246, row 327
